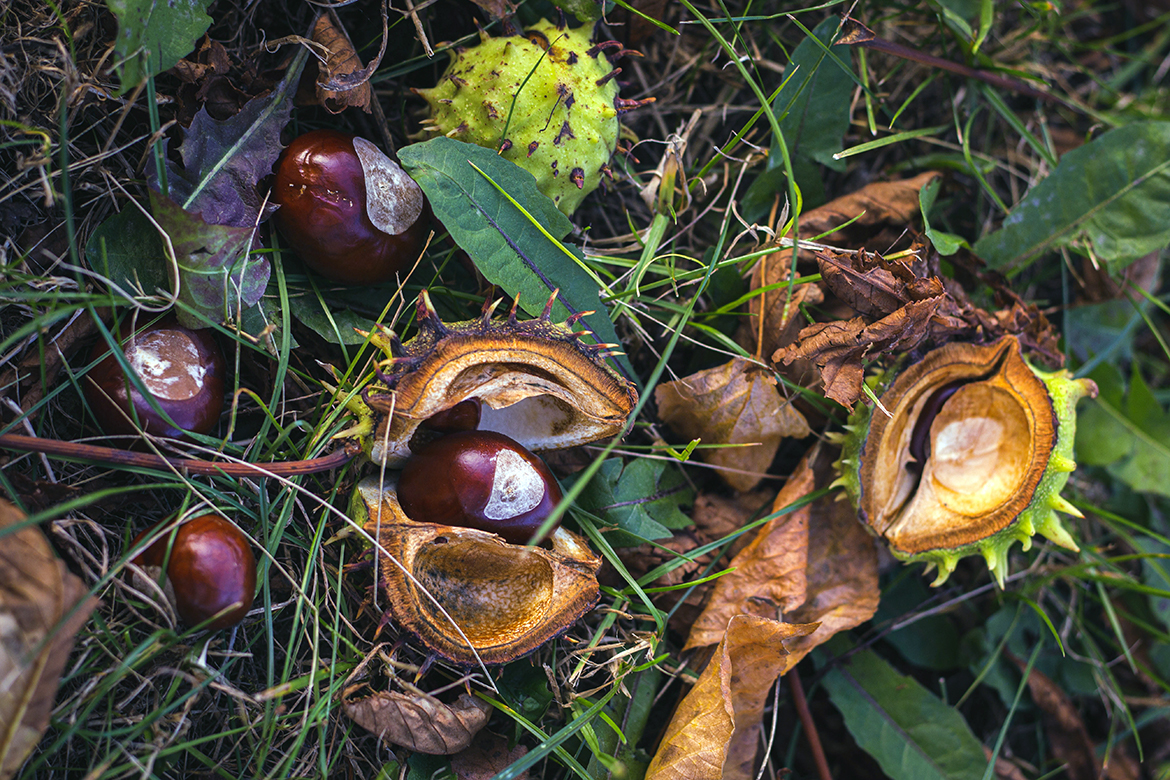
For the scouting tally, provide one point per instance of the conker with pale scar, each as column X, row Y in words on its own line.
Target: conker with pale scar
column 479, row 479
column 182, row 369
column 349, row 211
column 209, row 569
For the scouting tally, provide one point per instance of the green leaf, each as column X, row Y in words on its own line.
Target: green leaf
column 1129, row 436
column 519, row 252
column 909, row 731
column 1110, row 197
column 640, row 498
column 815, row 101
column 153, row 36
column 946, row 243
column 127, row 250
column 219, row 274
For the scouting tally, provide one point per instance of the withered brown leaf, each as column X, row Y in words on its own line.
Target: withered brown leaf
column 488, row 756
column 341, row 62
column 735, row 403
column 418, row 721
column 771, row 569
column 879, row 212
column 42, row 607
column 715, row 730
column 842, row 576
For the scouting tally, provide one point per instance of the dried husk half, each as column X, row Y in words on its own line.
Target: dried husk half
column 538, row 382
column 983, row 469
column 468, row 595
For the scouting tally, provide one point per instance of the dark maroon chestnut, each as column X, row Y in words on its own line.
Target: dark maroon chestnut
column 479, row 479
column 349, row 211
column 210, row 570
column 463, row 416
column 182, row 368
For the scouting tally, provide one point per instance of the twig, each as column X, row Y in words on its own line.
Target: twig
column 814, row 739
column 74, row 451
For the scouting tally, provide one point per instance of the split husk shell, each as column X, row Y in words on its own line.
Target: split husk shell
column 538, row 382
column 971, row 458
column 468, row 595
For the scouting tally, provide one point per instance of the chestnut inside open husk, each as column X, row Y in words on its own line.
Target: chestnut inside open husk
column 468, row 594
column 348, row 211
column 210, row 570
column 183, row 370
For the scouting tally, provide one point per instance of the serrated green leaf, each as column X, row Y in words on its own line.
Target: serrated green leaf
column 909, row 731
column 815, row 101
column 1110, row 197
column 219, row 273
column 153, row 36
column 508, row 249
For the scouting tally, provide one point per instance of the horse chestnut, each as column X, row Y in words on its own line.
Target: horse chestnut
column 479, row 479
column 349, row 211
column 182, row 369
column 210, row 570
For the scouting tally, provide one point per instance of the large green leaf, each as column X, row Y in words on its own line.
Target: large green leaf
column 1110, row 197
column 521, row 253
column 153, row 35
column 909, row 731
column 127, row 250
column 1128, row 434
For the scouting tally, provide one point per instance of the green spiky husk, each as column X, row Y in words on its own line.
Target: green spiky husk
column 562, row 126
column 1039, row 516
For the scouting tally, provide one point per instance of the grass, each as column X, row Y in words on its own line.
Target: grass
column 142, row 696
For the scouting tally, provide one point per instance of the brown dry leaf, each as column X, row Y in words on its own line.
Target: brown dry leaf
column 769, row 572
column 873, row 285
column 1067, row 735
column 783, row 318
column 341, row 64
column 885, row 209
column 487, row 757
column 42, row 607
column 736, row 403
column 418, row 721
column 842, row 575
column 715, row 730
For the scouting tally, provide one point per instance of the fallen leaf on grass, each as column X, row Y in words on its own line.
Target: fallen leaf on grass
column 916, row 310
column 770, row 569
column 1067, row 735
column 879, row 213
column 341, row 62
column 488, row 756
column 715, row 730
column 42, row 607
column 420, row 722
column 736, row 403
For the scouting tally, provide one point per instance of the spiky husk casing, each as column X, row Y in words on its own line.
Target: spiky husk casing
column 1039, row 515
column 546, row 99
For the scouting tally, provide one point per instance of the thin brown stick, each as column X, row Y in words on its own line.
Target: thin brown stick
column 73, row 451
column 810, row 728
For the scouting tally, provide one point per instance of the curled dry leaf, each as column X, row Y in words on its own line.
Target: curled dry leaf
column 715, row 730
column 736, row 403
column 420, row 722
column 880, row 213
column 769, row 572
column 42, row 607
column 915, row 310
column 837, row 588
column 488, row 756
column 342, row 61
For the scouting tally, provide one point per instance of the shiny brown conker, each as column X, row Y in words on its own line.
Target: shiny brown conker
column 183, row 370
column 209, row 569
column 479, row 479
column 349, row 211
